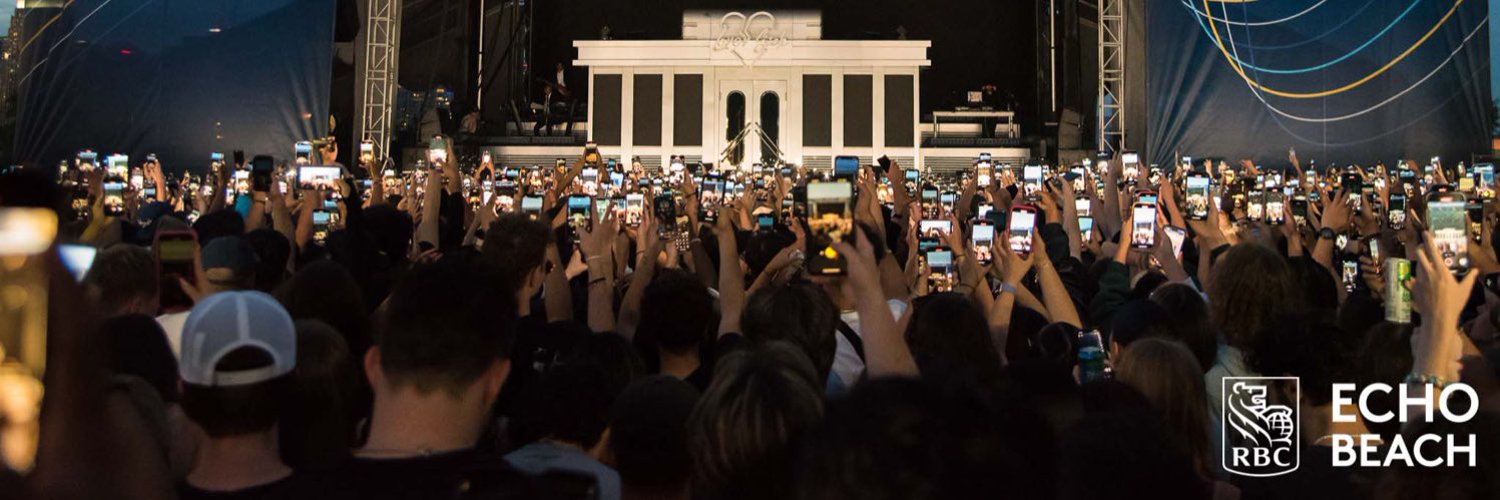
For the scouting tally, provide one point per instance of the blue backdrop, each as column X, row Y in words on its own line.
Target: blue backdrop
column 179, row 78
column 1340, row 80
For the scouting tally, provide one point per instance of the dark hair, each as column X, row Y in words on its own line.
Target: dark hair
column 1305, row 347
column 317, row 430
column 740, row 430
column 897, row 438
column 392, row 230
column 516, row 245
column 1124, row 455
column 221, row 222
column 949, row 338
column 1188, row 322
column 801, row 314
column 677, row 310
column 1252, row 287
column 1136, row 320
column 138, row 347
column 648, row 434
column 120, row 274
column 445, row 325
column 1384, row 357
column 274, row 250
column 572, row 400
column 1319, row 289
column 237, row 410
column 324, row 290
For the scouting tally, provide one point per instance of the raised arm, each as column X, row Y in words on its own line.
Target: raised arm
column 597, row 243
column 731, row 279
column 886, row 353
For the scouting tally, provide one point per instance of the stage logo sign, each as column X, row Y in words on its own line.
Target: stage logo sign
column 1260, row 437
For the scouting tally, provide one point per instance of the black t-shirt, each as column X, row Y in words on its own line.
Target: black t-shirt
column 452, row 475
column 291, row 487
column 723, row 346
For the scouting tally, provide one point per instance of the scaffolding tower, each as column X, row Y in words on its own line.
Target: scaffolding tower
column 1111, row 75
column 382, row 49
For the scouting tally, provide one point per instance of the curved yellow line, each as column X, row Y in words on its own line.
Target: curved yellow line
column 1294, row 95
column 43, row 29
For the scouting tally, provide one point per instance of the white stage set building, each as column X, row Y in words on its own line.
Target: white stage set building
column 740, row 89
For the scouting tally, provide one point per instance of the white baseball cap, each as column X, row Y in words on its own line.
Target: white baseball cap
column 226, row 321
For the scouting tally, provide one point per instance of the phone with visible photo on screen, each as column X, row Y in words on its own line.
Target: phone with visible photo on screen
column 635, row 204
column 1022, row 225
column 935, row 228
column 1447, row 219
column 711, row 195
column 532, row 206
column 765, row 222
column 1275, row 207
column 578, row 212
column 1143, row 233
column 846, row 168
column 321, row 220
column 175, row 251
column 947, row 201
column 1396, row 214
column 982, row 241
column 1031, row 177
column 1349, row 274
column 940, row 269
column 831, row 220
column 315, row 177
column 367, row 151
column 664, row 209
column 1198, row 194
column 303, row 151
column 983, row 172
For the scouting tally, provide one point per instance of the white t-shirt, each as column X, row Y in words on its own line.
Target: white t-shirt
column 846, row 363
column 171, row 324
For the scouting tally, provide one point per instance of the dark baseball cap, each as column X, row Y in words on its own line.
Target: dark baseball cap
column 229, row 258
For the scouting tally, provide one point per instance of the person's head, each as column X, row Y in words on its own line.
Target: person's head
column 229, row 263
column 1252, row 287
column 319, row 428
column 547, row 89
column 446, row 330
column 572, row 400
column 517, row 246
column 218, row 223
column 1320, row 292
column 678, row 311
column 1124, row 455
column 237, row 348
column 1384, row 358
column 123, row 281
column 1169, row 376
column 273, row 250
column 138, row 347
column 1309, row 348
column 392, row 230
column 761, row 248
column 949, row 338
column 740, row 429
column 897, row 438
column 648, row 436
column 1136, row 320
column 324, row 290
column 1188, row 321
column 800, row 314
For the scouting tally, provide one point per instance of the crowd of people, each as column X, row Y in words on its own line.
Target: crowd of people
column 432, row 335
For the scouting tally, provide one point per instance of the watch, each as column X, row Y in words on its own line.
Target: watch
column 1327, row 233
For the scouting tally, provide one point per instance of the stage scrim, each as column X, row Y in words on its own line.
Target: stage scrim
column 1340, row 80
column 179, row 78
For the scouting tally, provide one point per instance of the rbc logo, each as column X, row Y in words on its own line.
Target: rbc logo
column 1260, row 439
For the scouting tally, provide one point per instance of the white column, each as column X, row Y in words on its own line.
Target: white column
column 836, row 98
column 877, row 112
column 668, row 119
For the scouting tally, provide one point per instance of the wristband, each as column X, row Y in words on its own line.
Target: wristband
column 1420, row 378
column 1006, row 288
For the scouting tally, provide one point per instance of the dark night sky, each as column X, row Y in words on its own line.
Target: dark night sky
column 973, row 42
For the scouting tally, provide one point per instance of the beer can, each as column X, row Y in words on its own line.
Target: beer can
column 1398, row 274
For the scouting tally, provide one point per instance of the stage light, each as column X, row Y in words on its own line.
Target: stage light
column 215, row 29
